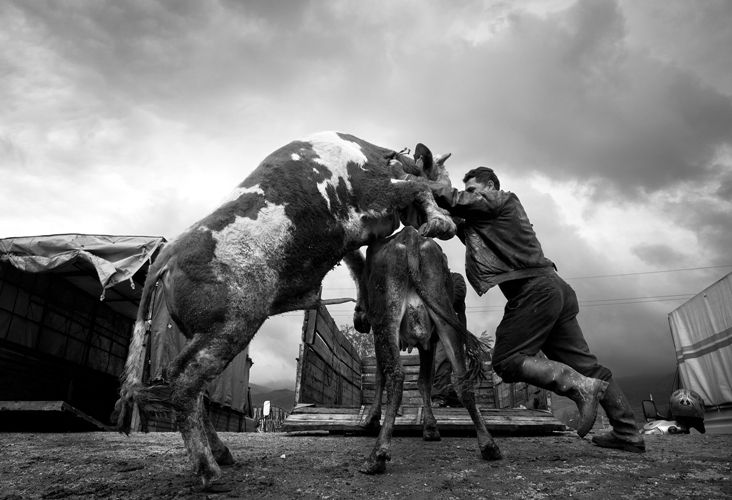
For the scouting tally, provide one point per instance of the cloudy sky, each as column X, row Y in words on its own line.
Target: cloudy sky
column 611, row 120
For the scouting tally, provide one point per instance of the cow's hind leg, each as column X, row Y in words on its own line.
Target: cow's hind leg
column 387, row 353
column 453, row 348
column 430, row 432
column 202, row 360
column 372, row 418
column 220, row 451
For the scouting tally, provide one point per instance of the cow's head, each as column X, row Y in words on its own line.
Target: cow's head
column 423, row 165
column 432, row 169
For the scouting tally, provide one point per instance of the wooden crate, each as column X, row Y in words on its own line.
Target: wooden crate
column 334, row 387
column 484, row 391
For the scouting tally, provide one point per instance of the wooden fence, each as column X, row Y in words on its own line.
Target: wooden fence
column 272, row 422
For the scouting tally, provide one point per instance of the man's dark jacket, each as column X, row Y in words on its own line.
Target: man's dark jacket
column 500, row 243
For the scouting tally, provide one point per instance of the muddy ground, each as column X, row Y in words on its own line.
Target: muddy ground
column 108, row 465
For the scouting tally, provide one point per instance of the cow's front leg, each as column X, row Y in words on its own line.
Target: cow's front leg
column 438, row 223
column 357, row 266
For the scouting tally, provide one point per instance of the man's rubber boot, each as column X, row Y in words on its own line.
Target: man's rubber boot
column 624, row 435
column 561, row 379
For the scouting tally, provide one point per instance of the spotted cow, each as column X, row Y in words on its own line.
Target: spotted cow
column 408, row 302
column 265, row 251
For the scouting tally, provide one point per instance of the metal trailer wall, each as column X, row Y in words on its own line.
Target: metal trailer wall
column 701, row 329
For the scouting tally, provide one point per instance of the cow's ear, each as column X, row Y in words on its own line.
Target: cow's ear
column 442, row 159
column 423, row 157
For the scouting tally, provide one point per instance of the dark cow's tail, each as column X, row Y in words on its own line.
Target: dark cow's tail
column 132, row 389
column 476, row 351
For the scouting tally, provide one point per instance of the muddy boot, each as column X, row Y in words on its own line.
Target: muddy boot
column 624, row 435
column 563, row 380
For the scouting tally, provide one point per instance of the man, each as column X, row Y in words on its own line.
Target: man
column 541, row 312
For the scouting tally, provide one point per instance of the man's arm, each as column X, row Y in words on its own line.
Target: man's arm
column 460, row 224
column 465, row 204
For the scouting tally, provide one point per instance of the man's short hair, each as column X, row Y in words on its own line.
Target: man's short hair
column 483, row 175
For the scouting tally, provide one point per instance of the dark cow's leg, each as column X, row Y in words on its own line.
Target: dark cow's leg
column 430, row 432
column 386, row 344
column 372, row 418
column 213, row 352
column 453, row 348
column 388, row 354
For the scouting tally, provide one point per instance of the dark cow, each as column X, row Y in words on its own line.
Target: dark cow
column 408, row 302
column 265, row 252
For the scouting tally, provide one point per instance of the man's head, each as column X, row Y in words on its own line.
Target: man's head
column 481, row 179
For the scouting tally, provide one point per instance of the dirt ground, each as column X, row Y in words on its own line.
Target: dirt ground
column 108, row 465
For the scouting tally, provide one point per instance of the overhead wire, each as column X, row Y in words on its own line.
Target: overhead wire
column 584, row 303
column 594, row 276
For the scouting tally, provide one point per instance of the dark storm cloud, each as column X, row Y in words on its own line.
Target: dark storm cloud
column 564, row 95
column 659, row 254
column 689, row 34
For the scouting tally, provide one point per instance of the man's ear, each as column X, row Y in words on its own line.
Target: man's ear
column 423, row 158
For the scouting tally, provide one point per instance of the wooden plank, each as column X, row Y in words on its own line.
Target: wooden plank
column 308, row 330
column 406, row 359
column 298, row 373
column 369, row 385
column 409, row 371
column 350, row 410
column 452, row 419
column 51, row 406
column 31, row 405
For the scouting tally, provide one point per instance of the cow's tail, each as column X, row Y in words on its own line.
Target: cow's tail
column 132, row 389
column 476, row 351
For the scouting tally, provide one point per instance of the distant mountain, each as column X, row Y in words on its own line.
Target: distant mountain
column 281, row 398
column 640, row 387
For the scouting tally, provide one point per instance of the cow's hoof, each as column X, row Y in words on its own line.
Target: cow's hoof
column 208, row 472
column 491, row 452
column 207, row 481
column 371, row 423
column 443, row 228
column 431, row 435
column 361, row 320
column 373, row 467
column 225, row 458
